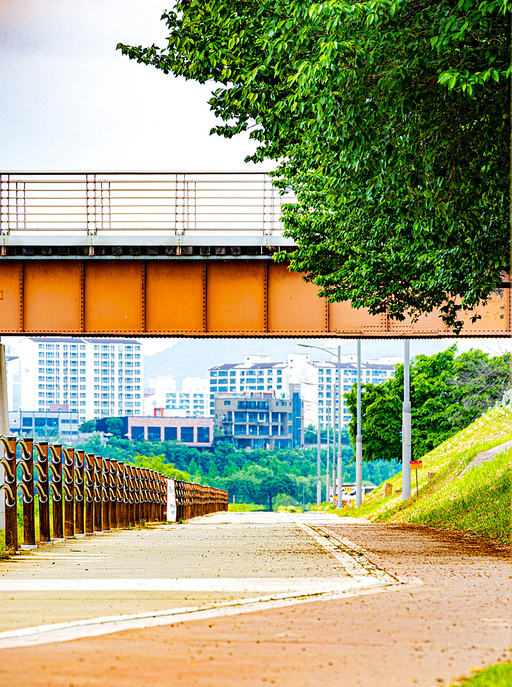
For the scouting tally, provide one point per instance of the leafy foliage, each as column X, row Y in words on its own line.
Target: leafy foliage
column 390, row 122
column 255, row 477
column 158, row 464
column 448, row 392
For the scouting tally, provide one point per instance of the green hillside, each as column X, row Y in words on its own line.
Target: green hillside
column 477, row 502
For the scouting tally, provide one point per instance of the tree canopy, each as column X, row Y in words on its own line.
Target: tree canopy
column 448, row 392
column 389, row 120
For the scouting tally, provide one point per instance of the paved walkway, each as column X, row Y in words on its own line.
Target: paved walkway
column 485, row 456
column 252, row 598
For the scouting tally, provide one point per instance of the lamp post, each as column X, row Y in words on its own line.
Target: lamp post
column 340, row 463
column 406, row 427
column 318, row 464
column 359, row 437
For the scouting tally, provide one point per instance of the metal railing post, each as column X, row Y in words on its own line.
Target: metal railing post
column 106, row 495
column 43, row 490
column 56, row 489
column 11, row 498
column 89, row 493
column 79, row 493
column 68, row 471
column 98, row 494
column 27, row 488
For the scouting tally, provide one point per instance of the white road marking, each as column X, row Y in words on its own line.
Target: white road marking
column 296, row 585
column 94, row 627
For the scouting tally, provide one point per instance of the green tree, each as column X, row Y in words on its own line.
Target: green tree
column 390, row 121
column 159, row 464
column 192, row 467
column 114, row 426
column 213, row 471
column 448, row 392
column 88, row 426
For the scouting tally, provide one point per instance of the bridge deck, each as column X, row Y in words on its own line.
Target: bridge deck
column 170, row 254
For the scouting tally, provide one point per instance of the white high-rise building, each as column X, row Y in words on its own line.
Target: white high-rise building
column 318, row 379
column 92, row 377
column 191, row 401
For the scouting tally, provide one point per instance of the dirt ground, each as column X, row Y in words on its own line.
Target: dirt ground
column 427, row 635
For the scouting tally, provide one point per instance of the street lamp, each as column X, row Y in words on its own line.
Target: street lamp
column 406, row 426
column 340, row 464
column 318, row 464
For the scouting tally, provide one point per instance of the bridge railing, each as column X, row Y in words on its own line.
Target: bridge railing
column 72, row 208
column 53, row 492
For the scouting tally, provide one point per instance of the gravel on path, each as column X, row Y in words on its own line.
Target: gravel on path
column 427, row 635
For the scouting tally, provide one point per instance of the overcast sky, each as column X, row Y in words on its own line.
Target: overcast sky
column 70, row 101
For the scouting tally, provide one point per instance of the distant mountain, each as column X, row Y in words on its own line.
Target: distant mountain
column 194, row 357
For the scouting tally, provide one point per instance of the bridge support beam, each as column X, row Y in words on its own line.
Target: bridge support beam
column 197, row 297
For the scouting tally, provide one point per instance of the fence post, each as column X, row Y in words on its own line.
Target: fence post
column 68, row 488
column 106, row 495
column 98, row 495
column 11, row 497
column 79, row 493
column 114, row 502
column 27, row 488
column 56, row 489
column 122, row 495
column 137, row 496
column 43, row 490
column 131, row 496
column 89, row 493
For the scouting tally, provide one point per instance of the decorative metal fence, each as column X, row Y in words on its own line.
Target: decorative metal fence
column 80, row 493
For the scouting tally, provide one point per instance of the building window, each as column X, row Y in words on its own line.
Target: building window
column 137, row 433
column 203, row 435
column 187, row 434
column 154, row 434
column 170, row 433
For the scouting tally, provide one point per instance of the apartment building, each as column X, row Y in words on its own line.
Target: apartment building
column 318, row 380
column 192, row 400
column 94, row 377
column 260, row 419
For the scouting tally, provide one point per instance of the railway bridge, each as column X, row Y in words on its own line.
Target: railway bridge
column 171, row 254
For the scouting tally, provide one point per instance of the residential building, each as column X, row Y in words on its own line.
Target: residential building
column 94, row 377
column 191, row 401
column 260, row 419
column 318, row 381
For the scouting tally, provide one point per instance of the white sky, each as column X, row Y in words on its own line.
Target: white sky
column 70, row 101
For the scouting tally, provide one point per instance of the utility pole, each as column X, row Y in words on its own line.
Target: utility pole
column 359, row 437
column 327, row 466
column 4, row 425
column 318, row 465
column 406, row 427
column 340, row 419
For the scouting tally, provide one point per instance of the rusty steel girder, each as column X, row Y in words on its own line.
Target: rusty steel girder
column 200, row 298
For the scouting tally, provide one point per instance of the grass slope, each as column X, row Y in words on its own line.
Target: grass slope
column 478, row 502
column 498, row 675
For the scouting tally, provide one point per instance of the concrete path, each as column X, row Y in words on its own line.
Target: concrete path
column 252, row 598
column 485, row 456
column 123, row 578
